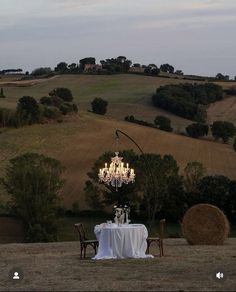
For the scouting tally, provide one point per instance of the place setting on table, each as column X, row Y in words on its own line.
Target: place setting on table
column 120, row 240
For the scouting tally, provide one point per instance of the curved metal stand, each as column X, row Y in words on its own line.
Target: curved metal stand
column 145, row 159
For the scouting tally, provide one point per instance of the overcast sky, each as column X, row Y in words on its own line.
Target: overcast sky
column 195, row 36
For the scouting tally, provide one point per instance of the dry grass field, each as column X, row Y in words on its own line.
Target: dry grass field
column 80, row 140
column 57, row 267
column 224, row 110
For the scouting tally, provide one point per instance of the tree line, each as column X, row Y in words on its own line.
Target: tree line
column 165, row 193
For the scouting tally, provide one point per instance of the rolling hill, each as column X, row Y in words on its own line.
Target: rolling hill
column 127, row 94
column 81, row 139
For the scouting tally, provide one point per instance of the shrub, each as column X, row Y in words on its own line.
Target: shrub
column 28, row 109
column 197, row 130
column 51, row 112
column 63, row 93
column 68, row 107
column 99, row 106
column 46, row 100
column 130, row 119
column 223, row 130
column 163, row 123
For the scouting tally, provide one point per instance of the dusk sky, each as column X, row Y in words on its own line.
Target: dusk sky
column 195, row 36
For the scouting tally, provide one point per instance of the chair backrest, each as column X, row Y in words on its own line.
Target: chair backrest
column 162, row 223
column 80, row 228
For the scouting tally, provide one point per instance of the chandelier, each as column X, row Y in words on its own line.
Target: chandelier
column 117, row 173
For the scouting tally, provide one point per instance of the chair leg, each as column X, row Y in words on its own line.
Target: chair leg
column 81, row 250
column 85, row 246
column 161, row 248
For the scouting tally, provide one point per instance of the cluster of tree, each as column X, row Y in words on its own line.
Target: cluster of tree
column 119, row 64
column 159, row 190
column 2, row 95
column 9, row 71
column 161, row 122
column 33, row 182
column 59, row 99
column 63, row 68
column 29, row 111
column 152, row 70
column 197, row 130
column 116, row 65
column 74, row 68
column 99, row 106
column 42, row 71
column 167, row 68
column 184, row 99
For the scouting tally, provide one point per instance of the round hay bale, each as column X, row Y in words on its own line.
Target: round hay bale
column 205, row 224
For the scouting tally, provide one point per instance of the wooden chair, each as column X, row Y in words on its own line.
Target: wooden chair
column 158, row 240
column 84, row 242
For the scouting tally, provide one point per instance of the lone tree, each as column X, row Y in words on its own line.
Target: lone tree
column 2, row 93
column 167, row 68
column 163, row 123
column 64, row 93
column 99, row 106
column 34, row 182
column 223, row 130
column 28, row 109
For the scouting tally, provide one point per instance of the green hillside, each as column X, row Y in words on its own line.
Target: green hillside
column 127, row 94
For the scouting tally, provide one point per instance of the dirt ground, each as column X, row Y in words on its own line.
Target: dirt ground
column 57, row 266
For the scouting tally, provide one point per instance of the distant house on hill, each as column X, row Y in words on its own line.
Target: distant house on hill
column 92, row 67
column 136, row 70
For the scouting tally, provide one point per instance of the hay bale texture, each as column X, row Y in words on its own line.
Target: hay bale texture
column 205, row 224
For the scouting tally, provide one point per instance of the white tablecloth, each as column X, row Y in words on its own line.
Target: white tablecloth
column 118, row 242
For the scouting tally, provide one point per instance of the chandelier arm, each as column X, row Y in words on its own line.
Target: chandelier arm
column 123, row 133
column 145, row 159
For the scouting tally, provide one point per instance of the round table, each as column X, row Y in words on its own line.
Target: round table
column 119, row 242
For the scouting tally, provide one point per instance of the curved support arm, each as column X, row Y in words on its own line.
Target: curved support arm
column 146, row 161
column 118, row 137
